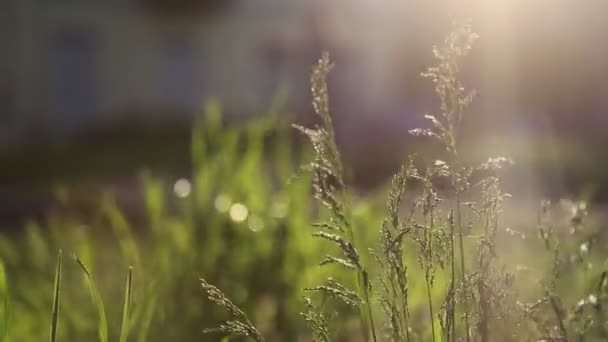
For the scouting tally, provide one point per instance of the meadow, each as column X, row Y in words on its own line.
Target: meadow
column 269, row 241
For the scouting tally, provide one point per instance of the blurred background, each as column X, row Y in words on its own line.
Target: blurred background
column 98, row 89
column 156, row 133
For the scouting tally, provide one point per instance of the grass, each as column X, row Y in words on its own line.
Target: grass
column 4, row 293
column 178, row 238
column 480, row 302
column 102, row 326
column 56, row 298
column 125, row 326
column 429, row 257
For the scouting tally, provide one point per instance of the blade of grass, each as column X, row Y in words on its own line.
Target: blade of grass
column 57, row 292
column 102, row 328
column 5, row 303
column 123, row 230
column 146, row 321
column 124, row 329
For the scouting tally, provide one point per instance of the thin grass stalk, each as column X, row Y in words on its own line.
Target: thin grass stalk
column 598, row 309
column 601, row 317
column 462, row 267
column 366, row 322
column 362, row 278
column 124, row 328
column 452, row 304
column 56, row 297
column 368, row 304
column 102, row 327
column 328, row 165
column 364, row 286
column 484, row 309
column 557, row 310
column 404, row 309
column 406, row 319
column 4, row 291
column 362, row 283
column 484, row 261
column 432, row 316
column 427, row 277
column 147, row 319
column 454, row 101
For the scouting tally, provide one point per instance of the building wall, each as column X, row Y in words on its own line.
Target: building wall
column 101, row 61
column 8, row 35
column 85, row 63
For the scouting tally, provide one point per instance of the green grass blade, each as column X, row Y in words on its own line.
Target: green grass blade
column 124, row 329
column 5, row 303
column 57, row 292
column 102, row 327
column 123, row 230
column 147, row 318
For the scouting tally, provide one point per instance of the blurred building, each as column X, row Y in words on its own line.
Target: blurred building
column 68, row 65
column 71, row 63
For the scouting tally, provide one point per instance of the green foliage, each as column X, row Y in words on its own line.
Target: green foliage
column 256, row 257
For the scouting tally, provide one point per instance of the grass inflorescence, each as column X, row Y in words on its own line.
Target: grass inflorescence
column 453, row 231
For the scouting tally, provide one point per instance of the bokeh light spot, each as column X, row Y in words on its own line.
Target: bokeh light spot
column 182, row 188
column 238, row 212
column 584, row 248
column 222, row 203
column 278, row 209
column 255, row 223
